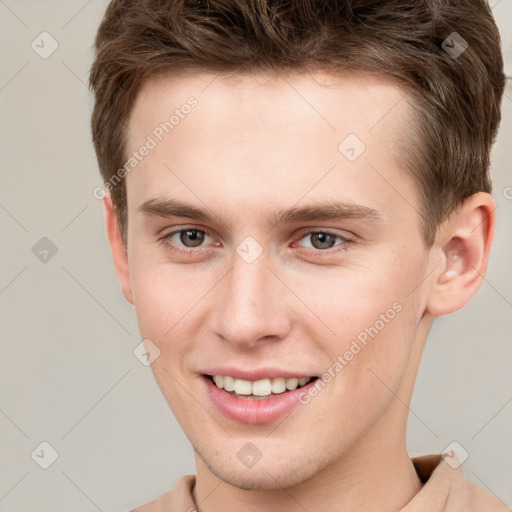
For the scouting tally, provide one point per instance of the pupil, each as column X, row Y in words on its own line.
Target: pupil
column 325, row 240
column 194, row 235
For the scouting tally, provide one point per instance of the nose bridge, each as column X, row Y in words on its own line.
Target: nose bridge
column 250, row 305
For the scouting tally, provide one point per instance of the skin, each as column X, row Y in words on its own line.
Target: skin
column 255, row 145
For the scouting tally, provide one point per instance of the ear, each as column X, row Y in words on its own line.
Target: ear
column 462, row 250
column 119, row 253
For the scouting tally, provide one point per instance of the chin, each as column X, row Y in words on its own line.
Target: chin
column 262, row 480
column 267, row 475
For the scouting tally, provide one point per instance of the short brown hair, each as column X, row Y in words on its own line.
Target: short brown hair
column 456, row 98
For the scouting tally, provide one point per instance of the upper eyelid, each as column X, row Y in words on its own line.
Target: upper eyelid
column 308, row 231
column 191, row 228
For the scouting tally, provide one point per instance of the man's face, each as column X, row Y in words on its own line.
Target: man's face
column 242, row 296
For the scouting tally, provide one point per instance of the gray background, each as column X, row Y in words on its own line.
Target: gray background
column 68, row 375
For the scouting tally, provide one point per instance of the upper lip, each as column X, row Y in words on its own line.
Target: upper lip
column 255, row 374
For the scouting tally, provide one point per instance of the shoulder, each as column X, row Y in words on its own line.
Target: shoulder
column 447, row 488
column 483, row 500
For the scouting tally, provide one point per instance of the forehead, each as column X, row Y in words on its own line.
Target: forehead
column 350, row 100
column 254, row 135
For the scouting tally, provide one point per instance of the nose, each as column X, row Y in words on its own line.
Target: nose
column 251, row 305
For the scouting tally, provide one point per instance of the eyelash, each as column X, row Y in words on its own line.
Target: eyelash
column 343, row 246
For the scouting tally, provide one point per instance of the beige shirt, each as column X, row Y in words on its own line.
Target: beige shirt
column 445, row 489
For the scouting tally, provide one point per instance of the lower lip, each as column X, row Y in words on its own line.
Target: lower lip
column 254, row 411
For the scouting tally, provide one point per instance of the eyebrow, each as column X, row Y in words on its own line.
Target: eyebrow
column 325, row 210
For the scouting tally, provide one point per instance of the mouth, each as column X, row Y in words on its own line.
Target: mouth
column 256, row 396
column 262, row 389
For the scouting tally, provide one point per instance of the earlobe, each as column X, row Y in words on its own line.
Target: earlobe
column 119, row 254
column 462, row 249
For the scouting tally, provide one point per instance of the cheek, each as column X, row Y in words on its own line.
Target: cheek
column 363, row 377
column 374, row 317
column 353, row 301
column 164, row 293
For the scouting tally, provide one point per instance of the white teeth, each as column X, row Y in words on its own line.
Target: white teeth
column 242, row 387
column 292, row 384
column 229, row 383
column 278, row 385
column 263, row 387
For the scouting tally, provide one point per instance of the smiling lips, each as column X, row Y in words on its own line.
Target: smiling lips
column 255, row 401
column 263, row 388
column 255, row 396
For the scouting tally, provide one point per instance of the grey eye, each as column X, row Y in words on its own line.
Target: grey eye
column 321, row 240
column 191, row 237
